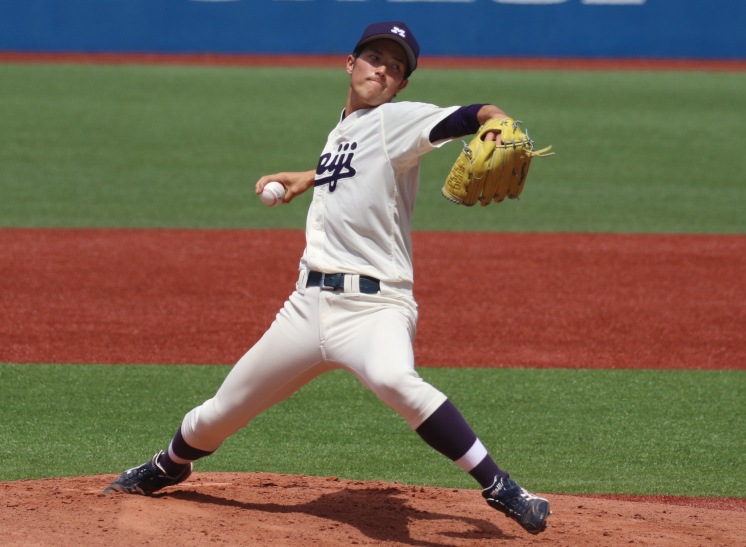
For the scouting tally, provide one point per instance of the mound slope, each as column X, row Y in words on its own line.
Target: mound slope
column 267, row 509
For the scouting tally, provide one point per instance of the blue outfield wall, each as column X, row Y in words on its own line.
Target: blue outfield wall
column 667, row 29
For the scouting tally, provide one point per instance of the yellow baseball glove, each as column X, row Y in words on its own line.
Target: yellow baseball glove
column 485, row 172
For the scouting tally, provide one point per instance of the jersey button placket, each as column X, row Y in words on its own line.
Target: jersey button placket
column 315, row 236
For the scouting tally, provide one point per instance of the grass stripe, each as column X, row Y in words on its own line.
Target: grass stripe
column 569, row 431
column 160, row 146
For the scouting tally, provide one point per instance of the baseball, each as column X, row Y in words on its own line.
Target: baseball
column 273, row 194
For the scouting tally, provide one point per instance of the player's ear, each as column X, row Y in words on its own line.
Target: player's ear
column 350, row 64
column 402, row 85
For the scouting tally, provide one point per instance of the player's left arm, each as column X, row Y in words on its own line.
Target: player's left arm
column 491, row 112
column 467, row 120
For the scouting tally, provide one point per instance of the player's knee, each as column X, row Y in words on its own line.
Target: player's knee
column 397, row 391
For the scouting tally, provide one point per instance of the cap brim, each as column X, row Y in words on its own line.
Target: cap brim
column 411, row 59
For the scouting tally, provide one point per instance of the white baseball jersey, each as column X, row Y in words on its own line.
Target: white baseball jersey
column 366, row 184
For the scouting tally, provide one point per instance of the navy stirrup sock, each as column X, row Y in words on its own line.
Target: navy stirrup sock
column 447, row 432
column 179, row 455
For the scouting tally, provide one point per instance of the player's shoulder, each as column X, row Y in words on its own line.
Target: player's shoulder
column 411, row 112
column 409, row 106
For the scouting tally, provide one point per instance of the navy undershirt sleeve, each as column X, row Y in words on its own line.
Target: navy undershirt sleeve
column 462, row 122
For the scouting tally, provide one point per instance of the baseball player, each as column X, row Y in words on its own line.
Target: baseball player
column 352, row 307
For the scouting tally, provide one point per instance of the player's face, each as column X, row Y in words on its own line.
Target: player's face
column 377, row 75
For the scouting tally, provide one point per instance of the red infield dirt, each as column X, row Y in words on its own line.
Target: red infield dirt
column 204, row 296
column 547, row 300
column 337, row 60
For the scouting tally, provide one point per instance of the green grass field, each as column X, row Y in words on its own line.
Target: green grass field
column 132, row 146
column 183, row 147
column 592, row 431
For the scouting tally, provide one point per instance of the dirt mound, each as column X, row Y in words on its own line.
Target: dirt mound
column 269, row 509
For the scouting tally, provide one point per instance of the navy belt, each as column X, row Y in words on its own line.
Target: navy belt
column 330, row 282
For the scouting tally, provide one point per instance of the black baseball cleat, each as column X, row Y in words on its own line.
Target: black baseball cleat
column 146, row 479
column 527, row 509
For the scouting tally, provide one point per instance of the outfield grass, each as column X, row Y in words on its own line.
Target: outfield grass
column 592, row 431
column 161, row 146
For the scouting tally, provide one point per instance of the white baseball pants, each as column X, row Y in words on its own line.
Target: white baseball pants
column 316, row 331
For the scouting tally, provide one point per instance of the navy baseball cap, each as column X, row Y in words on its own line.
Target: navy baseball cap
column 398, row 32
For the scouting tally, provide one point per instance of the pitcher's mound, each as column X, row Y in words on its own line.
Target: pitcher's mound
column 269, row 509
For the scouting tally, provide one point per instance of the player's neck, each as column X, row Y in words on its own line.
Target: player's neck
column 352, row 106
column 355, row 102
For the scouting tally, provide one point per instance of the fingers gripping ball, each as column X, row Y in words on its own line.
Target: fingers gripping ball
column 273, row 194
column 486, row 172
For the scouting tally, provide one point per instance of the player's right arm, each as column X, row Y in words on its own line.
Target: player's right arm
column 295, row 183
